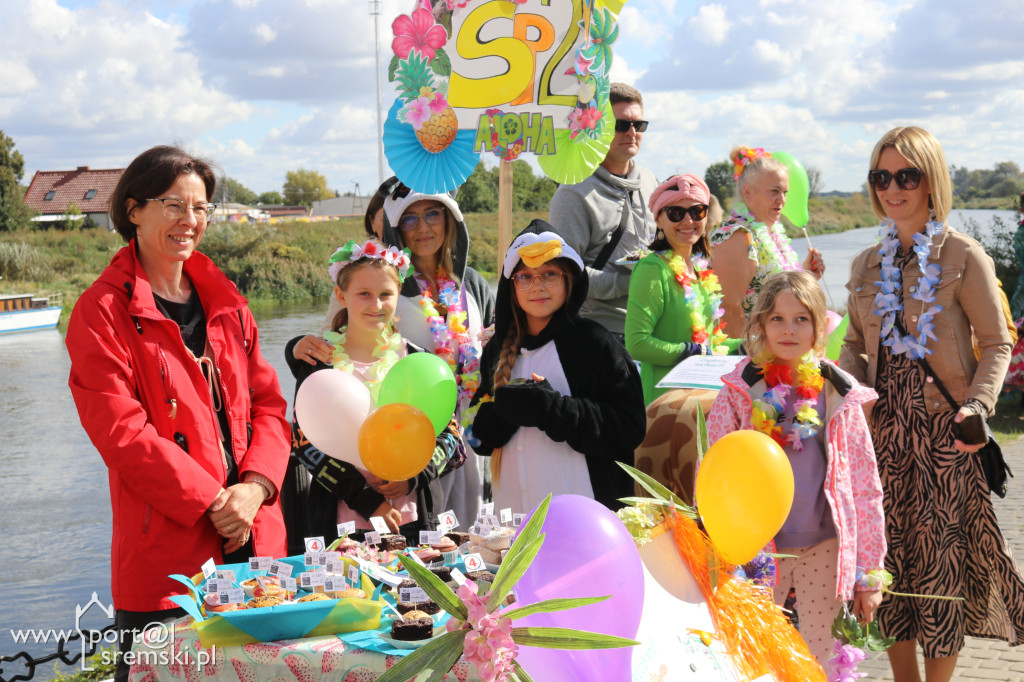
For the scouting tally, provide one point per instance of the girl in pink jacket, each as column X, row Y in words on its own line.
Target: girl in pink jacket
column 811, row 408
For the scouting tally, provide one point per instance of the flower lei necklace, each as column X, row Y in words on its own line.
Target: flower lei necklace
column 888, row 300
column 707, row 281
column 386, row 352
column 766, row 412
column 772, row 243
column 451, row 337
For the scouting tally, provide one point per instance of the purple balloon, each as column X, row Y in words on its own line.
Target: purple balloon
column 587, row 552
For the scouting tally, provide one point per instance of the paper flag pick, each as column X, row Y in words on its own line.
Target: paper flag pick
column 424, row 171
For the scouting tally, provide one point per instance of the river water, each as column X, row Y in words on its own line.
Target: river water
column 54, row 501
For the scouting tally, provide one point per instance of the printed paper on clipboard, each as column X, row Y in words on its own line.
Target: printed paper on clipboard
column 700, row 371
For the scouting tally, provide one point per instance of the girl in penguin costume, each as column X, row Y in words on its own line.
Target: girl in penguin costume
column 560, row 400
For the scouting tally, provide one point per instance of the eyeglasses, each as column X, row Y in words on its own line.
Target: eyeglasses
column 906, row 178
column 548, row 278
column 432, row 217
column 622, row 125
column 175, row 209
column 677, row 213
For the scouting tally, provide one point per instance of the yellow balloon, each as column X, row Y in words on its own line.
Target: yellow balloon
column 743, row 493
column 396, row 441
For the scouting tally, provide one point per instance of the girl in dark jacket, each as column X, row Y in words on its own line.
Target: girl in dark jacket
column 560, row 400
column 368, row 278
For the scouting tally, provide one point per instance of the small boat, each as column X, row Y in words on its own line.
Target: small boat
column 25, row 312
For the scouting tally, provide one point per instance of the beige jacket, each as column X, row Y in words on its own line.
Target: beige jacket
column 968, row 292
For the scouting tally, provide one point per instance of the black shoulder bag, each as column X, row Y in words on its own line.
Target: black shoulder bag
column 990, row 455
column 606, row 252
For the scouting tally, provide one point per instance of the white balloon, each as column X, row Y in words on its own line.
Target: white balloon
column 330, row 406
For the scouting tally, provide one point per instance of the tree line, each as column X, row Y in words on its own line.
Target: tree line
column 479, row 194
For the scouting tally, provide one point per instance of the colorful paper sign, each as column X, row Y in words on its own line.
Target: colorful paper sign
column 503, row 78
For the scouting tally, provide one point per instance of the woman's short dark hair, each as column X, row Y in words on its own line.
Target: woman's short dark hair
column 376, row 204
column 151, row 174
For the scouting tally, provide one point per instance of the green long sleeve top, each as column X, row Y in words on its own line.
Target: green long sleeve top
column 659, row 332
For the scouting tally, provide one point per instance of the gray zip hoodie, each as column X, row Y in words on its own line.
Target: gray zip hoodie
column 586, row 214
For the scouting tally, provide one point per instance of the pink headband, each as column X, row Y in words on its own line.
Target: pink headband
column 677, row 188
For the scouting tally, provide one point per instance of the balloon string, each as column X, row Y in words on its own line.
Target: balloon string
column 827, row 292
column 925, row 596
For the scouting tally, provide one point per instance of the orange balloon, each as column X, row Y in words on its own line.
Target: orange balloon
column 743, row 493
column 396, row 441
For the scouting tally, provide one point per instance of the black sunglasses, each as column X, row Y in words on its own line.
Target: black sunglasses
column 676, row 213
column 906, row 179
column 622, row 125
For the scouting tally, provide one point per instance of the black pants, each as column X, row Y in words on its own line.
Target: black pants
column 131, row 622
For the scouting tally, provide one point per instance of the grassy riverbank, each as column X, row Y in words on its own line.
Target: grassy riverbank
column 284, row 263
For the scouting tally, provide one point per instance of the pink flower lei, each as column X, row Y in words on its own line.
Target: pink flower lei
column 452, row 340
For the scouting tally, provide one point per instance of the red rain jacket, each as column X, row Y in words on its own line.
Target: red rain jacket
column 145, row 404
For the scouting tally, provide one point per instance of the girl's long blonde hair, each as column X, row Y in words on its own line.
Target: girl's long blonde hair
column 510, row 346
column 807, row 292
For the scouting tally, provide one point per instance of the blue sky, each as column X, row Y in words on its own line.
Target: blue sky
column 266, row 86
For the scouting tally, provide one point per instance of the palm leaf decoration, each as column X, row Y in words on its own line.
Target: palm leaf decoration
column 603, row 32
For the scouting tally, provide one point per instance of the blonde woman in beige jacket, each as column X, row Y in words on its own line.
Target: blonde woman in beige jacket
column 926, row 291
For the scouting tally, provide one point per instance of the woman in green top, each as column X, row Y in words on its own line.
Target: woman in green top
column 675, row 301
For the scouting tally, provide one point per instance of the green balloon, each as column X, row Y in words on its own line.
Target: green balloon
column 799, row 189
column 424, row 381
column 835, row 339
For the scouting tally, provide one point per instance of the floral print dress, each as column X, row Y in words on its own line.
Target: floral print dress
column 769, row 248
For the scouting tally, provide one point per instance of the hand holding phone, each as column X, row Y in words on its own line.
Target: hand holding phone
column 971, row 431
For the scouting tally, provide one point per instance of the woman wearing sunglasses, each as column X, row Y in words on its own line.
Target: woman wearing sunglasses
column 921, row 296
column 752, row 245
column 674, row 309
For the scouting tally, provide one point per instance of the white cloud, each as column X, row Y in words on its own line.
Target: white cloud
column 709, row 25
column 16, row 78
column 265, row 33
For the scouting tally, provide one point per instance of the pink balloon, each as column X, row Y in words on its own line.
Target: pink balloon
column 587, row 552
column 833, row 321
column 330, row 406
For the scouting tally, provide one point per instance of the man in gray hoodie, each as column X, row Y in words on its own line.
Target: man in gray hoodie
column 605, row 217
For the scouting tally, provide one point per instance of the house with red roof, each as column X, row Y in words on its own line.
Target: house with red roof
column 51, row 192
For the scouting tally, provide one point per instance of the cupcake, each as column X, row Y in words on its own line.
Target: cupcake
column 316, row 596
column 448, row 548
column 428, row 555
column 458, row 537
column 260, row 602
column 212, row 605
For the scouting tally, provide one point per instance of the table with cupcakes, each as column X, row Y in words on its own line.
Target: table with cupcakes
column 351, row 611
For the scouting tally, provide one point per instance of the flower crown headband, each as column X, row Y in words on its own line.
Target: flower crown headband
column 371, row 248
column 746, row 155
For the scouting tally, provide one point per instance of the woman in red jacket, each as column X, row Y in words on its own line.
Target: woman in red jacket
column 171, row 387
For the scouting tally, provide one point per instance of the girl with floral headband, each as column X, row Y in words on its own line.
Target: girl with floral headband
column 444, row 307
column 812, row 409
column 560, row 400
column 923, row 294
column 366, row 344
column 752, row 245
column 675, row 301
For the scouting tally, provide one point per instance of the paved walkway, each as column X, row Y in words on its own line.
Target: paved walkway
column 983, row 659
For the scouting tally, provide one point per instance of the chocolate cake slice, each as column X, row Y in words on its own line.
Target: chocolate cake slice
column 412, row 629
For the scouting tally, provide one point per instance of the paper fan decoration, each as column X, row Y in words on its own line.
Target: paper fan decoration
column 578, row 157
column 422, row 170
